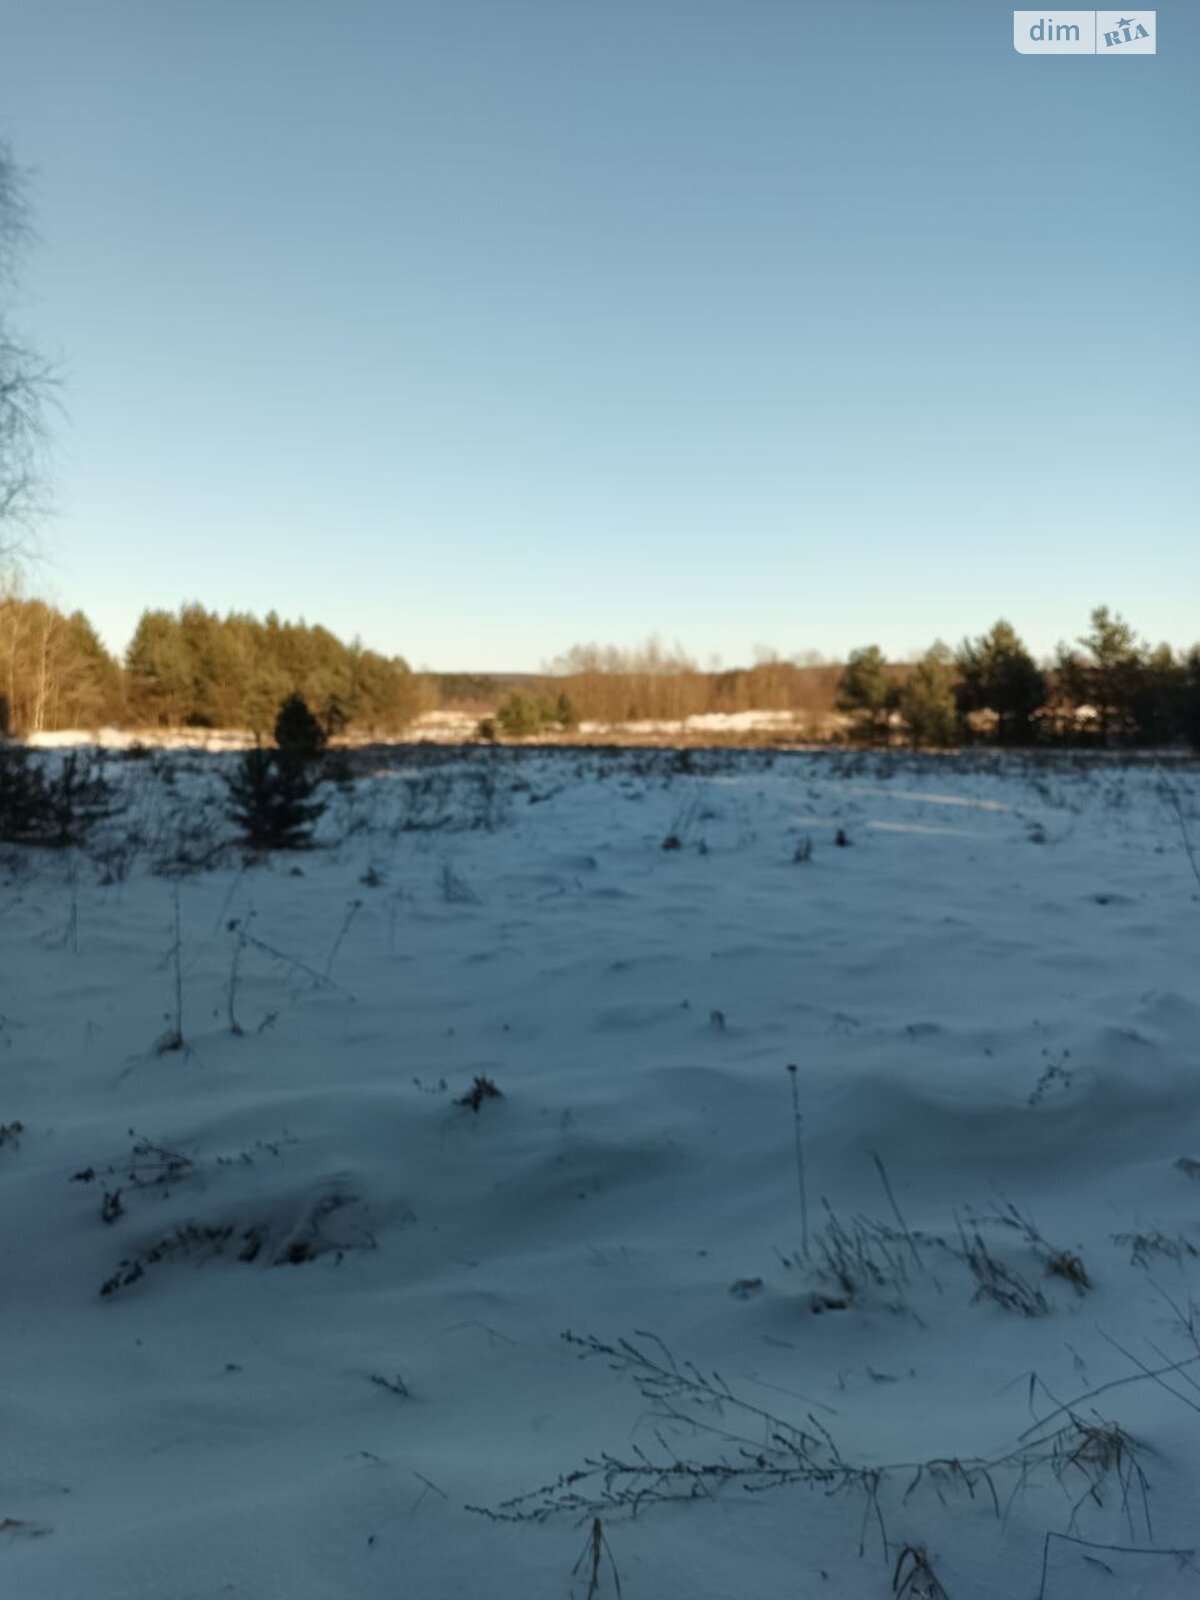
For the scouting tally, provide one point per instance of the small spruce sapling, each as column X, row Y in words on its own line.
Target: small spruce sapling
column 271, row 799
column 297, row 731
column 39, row 806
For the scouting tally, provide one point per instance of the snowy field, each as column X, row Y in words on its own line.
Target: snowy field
column 285, row 1302
column 462, row 727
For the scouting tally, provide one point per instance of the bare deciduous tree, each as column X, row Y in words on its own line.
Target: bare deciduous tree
column 24, row 381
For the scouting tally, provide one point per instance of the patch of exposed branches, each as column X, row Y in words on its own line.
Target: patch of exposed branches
column 149, row 1167
column 995, row 1280
column 913, row 1578
column 468, row 801
column 1100, row 1453
column 260, row 1147
column 192, row 1241
column 860, row 1256
column 1093, row 1459
column 482, row 1089
column 304, row 1242
column 757, row 1450
column 1146, row 1247
column 1059, row 1263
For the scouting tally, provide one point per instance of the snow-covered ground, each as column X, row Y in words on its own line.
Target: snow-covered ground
column 143, row 738
column 462, row 727
column 331, row 1353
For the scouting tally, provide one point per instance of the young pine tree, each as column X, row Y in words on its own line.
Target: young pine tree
column 297, row 731
column 271, row 799
column 867, row 693
column 1105, row 677
column 927, row 702
column 520, row 717
column 564, row 713
column 52, row 808
column 1189, row 711
column 996, row 674
column 22, row 795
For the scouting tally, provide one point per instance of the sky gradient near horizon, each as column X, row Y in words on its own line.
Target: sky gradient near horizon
column 479, row 328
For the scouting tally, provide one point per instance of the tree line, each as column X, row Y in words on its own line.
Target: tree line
column 1107, row 689
column 657, row 683
column 193, row 668
column 54, row 671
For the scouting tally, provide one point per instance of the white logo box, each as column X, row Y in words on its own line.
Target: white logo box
column 1085, row 33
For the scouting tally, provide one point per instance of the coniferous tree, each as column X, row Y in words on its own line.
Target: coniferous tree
column 335, row 718
column 93, row 691
column 268, row 689
column 159, row 671
column 215, row 667
column 520, row 717
column 1104, row 679
column 1157, row 698
column 200, row 669
column 1189, row 717
column 297, row 731
column 565, row 713
column 867, row 692
column 77, row 797
column 997, row 675
column 927, row 700
column 271, row 799
column 384, row 695
column 22, row 795
column 54, row 807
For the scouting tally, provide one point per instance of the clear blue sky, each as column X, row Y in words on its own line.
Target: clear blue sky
column 482, row 327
